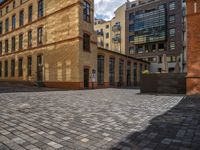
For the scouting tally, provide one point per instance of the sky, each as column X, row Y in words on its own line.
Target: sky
column 104, row 9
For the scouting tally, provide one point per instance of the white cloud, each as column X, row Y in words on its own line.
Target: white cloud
column 105, row 8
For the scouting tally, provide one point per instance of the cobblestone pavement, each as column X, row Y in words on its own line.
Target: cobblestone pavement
column 118, row 119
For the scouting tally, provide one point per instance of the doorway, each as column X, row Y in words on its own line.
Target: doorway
column 86, row 78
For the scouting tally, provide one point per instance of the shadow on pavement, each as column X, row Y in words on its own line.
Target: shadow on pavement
column 23, row 88
column 177, row 129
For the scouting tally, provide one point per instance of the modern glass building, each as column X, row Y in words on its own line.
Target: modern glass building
column 155, row 28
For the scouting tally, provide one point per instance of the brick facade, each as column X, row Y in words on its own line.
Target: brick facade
column 193, row 20
column 63, row 59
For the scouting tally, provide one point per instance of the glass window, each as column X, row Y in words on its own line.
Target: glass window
column 1, row 48
column 172, row 5
column 172, row 45
column 100, row 69
column 172, row 18
column 13, row 44
column 121, row 71
column 6, row 46
column 20, row 67
column 112, row 71
column 172, row 32
column 86, row 42
column 161, row 46
column 21, row 41
column 40, row 8
column 29, row 67
column 7, row 25
column 14, row 4
column 40, row 36
column 135, row 73
column 86, row 11
column 21, row 18
column 0, row 69
column 30, row 38
column 13, row 22
column 6, row 68
column 7, row 9
column 30, row 13
column 12, row 68
column 1, row 27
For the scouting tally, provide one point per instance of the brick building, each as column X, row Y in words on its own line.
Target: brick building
column 53, row 43
column 155, row 28
column 193, row 20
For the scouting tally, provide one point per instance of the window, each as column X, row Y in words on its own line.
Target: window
column 112, row 71
column 131, row 28
column 121, row 71
column 1, row 47
column 172, row 18
column 107, row 45
column 131, row 38
column 14, row 4
column 21, row 1
column 162, row 6
column 13, row 44
column 141, row 69
column 29, row 67
column 1, row 27
column 172, row 5
column 20, row 67
column 40, row 36
column 171, row 58
column 13, row 22
column 20, row 41
column 86, row 42
column 7, row 25
column 21, row 18
column 100, row 69
column 86, row 11
column 161, row 46
column 135, row 73
column 107, row 26
column 7, row 9
column 30, row 38
column 131, row 16
column 172, row 45
column 30, row 13
column 6, row 46
column 131, row 50
column 6, row 68
column 172, row 32
column 107, row 35
column 12, row 68
column 40, row 8
column 0, row 69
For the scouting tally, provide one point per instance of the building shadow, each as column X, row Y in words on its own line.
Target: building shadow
column 177, row 129
column 10, row 88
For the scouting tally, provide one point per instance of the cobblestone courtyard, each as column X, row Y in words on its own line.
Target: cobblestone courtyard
column 118, row 119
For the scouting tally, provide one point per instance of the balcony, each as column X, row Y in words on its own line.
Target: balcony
column 116, row 39
column 116, row 28
column 99, row 33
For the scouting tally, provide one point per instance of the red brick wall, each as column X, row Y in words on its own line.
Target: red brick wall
column 193, row 47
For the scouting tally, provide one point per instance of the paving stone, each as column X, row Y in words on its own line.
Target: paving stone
column 97, row 120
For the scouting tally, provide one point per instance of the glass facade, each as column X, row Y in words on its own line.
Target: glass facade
column 149, row 26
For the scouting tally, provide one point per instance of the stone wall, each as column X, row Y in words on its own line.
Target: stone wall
column 171, row 83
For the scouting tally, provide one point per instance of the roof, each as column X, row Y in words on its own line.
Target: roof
column 131, row 57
